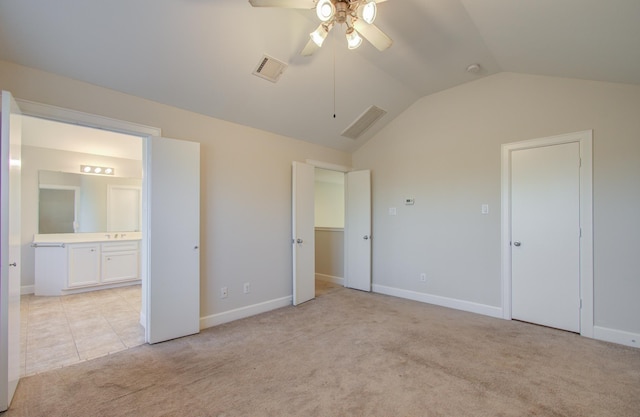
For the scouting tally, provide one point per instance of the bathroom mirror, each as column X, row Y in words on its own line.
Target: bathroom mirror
column 78, row 203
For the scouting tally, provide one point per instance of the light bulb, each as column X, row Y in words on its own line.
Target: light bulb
column 97, row 170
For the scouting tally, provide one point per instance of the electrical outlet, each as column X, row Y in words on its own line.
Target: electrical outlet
column 224, row 292
column 423, row 277
column 245, row 288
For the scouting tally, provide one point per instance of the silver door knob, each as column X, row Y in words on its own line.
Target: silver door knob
column 299, row 240
column 365, row 237
column 517, row 243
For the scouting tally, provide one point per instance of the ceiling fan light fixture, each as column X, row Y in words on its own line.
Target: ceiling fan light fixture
column 319, row 35
column 325, row 10
column 354, row 39
column 369, row 11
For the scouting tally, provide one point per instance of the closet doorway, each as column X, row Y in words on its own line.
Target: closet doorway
column 329, row 226
column 356, row 271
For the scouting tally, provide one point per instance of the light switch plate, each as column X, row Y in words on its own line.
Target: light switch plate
column 392, row 211
column 484, row 209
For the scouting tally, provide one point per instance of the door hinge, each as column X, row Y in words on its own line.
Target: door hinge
column 580, row 162
column 581, row 303
column 581, row 232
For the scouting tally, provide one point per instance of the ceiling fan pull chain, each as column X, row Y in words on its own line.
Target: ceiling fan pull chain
column 334, row 78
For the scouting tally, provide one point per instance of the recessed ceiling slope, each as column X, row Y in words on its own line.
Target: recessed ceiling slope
column 181, row 54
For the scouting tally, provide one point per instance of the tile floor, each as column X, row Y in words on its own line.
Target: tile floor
column 61, row 331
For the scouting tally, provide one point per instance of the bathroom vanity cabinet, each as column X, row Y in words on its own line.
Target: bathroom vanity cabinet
column 84, row 263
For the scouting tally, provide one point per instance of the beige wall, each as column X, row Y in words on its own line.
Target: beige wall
column 329, row 247
column 329, row 203
column 445, row 152
column 245, row 183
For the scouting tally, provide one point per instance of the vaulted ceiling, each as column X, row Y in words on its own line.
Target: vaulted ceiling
column 199, row 55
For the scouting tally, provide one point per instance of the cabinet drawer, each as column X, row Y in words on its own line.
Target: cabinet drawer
column 120, row 246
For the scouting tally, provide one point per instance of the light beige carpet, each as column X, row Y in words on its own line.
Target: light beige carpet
column 350, row 353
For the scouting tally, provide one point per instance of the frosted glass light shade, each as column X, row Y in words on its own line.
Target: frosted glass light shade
column 353, row 39
column 369, row 12
column 325, row 10
column 319, row 35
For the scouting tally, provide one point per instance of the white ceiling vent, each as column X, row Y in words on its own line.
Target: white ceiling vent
column 364, row 122
column 270, row 68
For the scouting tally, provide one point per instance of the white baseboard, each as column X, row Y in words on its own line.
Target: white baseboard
column 330, row 278
column 616, row 336
column 243, row 312
column 27, row 289
column 440, row 301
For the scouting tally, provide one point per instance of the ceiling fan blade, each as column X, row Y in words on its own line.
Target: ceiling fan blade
column 287, row 4
column 310, row 48
column 374, row 35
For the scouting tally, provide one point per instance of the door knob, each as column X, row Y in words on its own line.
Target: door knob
column 13, row 264
column 517, row 243
column 365, row 237
column 299, row 240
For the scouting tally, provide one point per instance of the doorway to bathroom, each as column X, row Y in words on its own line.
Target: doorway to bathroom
column 101, row 315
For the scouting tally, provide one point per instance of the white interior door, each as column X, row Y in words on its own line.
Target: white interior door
column 10, row 249
column 171, row 257
column 358, row 230
column 545, row 235
column 303, row 232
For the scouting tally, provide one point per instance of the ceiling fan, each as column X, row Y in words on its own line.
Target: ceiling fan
column 358, row 15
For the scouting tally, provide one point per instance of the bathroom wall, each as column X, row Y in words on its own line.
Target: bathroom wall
column 35, row 159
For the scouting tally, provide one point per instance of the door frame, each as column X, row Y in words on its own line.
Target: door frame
column 585, row 139
column 60, row 114
column 344, row 169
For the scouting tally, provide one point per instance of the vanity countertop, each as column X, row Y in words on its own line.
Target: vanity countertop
column 86, row 237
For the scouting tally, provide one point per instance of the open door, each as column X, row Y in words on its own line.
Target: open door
column 171, row 287
column 303, row 232
column 10, row 249
column 357, row 234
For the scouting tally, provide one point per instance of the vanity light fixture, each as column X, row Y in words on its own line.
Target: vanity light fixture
column 90, row 169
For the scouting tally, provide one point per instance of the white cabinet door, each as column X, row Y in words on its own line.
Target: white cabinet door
column 358, row 230
column 172, row 259
column 120, row 262
column 119, row 266
column 84, row 264
column 10, row 249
